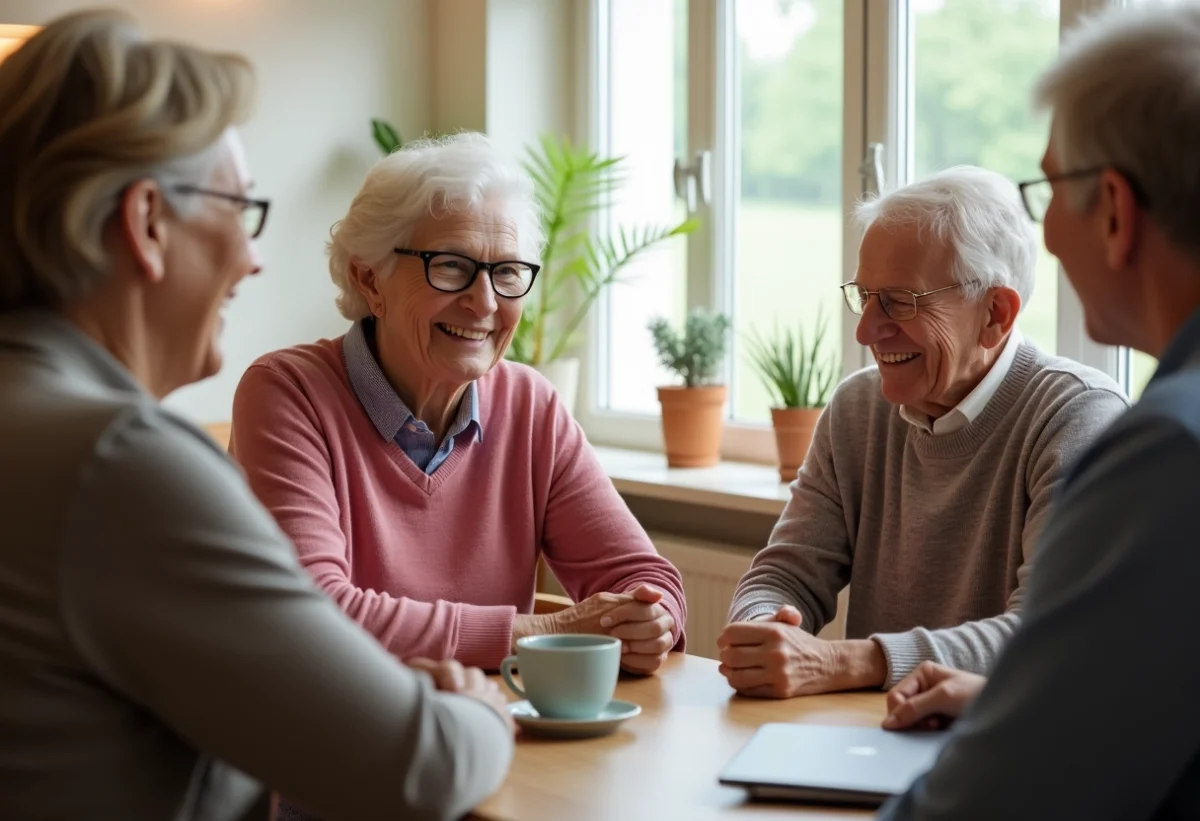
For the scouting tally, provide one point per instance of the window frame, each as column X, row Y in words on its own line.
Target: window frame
column 877, row 57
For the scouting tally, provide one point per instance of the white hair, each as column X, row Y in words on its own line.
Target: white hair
column 975, row 213
column 429, row 177
column 1125, row 94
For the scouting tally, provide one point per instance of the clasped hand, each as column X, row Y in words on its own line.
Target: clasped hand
column 637, row 618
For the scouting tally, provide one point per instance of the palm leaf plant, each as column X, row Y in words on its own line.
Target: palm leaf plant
column 385, row 136
column 573, row 185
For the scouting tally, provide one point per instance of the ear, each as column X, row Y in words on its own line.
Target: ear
column 367, row 283
column 1117, row 211
column 1003, row 305
column 142, row 215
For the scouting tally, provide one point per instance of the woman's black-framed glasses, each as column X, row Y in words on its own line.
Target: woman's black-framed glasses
column 899, row 304
column 254, row 212
column 452, row 273
column 1036, row 194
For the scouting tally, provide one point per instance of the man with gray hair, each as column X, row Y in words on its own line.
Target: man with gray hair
column 931, row 474
column 1092, row 711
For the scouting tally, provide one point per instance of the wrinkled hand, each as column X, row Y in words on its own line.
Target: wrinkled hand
column 931, row 697
column 645, row 629
column 775, row 658
column 636, row 618
column 452, row 677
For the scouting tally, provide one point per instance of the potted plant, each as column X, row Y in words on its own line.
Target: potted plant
column 572, row 185
column 800, row 379
column 692, row 413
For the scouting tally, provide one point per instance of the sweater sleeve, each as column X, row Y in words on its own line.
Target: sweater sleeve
column 1073, row 424
column 1091, row 712
column 183, row 596
column 591, row 540
column 278, row 439
column 806, row 562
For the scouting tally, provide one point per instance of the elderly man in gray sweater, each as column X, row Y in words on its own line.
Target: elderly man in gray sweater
column 931, row 474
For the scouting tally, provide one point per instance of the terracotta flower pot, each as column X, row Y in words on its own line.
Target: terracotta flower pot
column 793, row 435
column 692, row 421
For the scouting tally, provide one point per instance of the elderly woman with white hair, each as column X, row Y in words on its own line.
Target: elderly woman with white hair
column 160, row 646
column 931, row 474
column 421, row 476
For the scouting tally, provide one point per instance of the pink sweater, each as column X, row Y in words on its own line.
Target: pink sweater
column 438, row 566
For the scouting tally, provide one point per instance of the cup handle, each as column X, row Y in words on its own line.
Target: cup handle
column 506, row 671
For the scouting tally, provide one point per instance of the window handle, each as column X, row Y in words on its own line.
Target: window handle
column 871, row 169
column 693, row 181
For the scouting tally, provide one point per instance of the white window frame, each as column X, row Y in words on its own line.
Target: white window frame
column 876, row 51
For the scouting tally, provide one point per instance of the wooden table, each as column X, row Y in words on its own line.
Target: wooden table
column 663, row 764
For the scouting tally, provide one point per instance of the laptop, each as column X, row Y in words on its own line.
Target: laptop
column 842, row 765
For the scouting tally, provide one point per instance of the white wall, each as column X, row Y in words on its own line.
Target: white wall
column 459, row 77
column 531, row 71
column 325, row 67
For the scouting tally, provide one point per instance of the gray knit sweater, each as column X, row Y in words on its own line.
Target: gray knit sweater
column 937, row 533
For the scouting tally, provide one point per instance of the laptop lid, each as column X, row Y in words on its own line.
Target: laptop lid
column 814, row 762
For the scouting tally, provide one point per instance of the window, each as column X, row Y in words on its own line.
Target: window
column 648, row 127
column 1138, row 366
column 786, row 112
column 787, row 223
column 973, row 67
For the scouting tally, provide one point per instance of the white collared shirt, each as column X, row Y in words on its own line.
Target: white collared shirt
column 966, row 411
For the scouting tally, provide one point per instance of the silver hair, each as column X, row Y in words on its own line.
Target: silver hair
column 1125, row 94
column 975, row 213
column 427, row 177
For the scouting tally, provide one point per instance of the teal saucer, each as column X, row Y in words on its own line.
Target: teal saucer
column 609, row 719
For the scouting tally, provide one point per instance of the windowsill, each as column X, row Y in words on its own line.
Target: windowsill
column 740, row 486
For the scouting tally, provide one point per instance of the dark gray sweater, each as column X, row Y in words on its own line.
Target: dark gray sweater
column 1093, row 709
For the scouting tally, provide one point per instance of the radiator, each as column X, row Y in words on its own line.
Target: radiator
column 710, row 575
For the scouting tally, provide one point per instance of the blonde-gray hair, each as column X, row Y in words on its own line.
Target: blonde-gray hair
column 427, row 177
column 1125, row 94
column 87, row 107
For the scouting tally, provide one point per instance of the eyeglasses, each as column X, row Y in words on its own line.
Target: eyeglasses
column 899, row 304
column 452, row 273
column 1036, row 194
column 254, row 212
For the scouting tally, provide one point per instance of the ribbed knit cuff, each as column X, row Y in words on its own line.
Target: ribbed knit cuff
column 679, row 615
column 903, row 653
column 484, row 635
column 756, row 611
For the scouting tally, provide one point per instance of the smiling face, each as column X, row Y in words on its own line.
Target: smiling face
column 429, row 339
column 931, row 362
column 206, row 255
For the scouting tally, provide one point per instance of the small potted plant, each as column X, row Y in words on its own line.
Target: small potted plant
column 692, row 413
column 800, row 379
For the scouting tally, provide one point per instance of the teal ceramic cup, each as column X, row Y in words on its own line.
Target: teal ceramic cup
column 565, row 676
